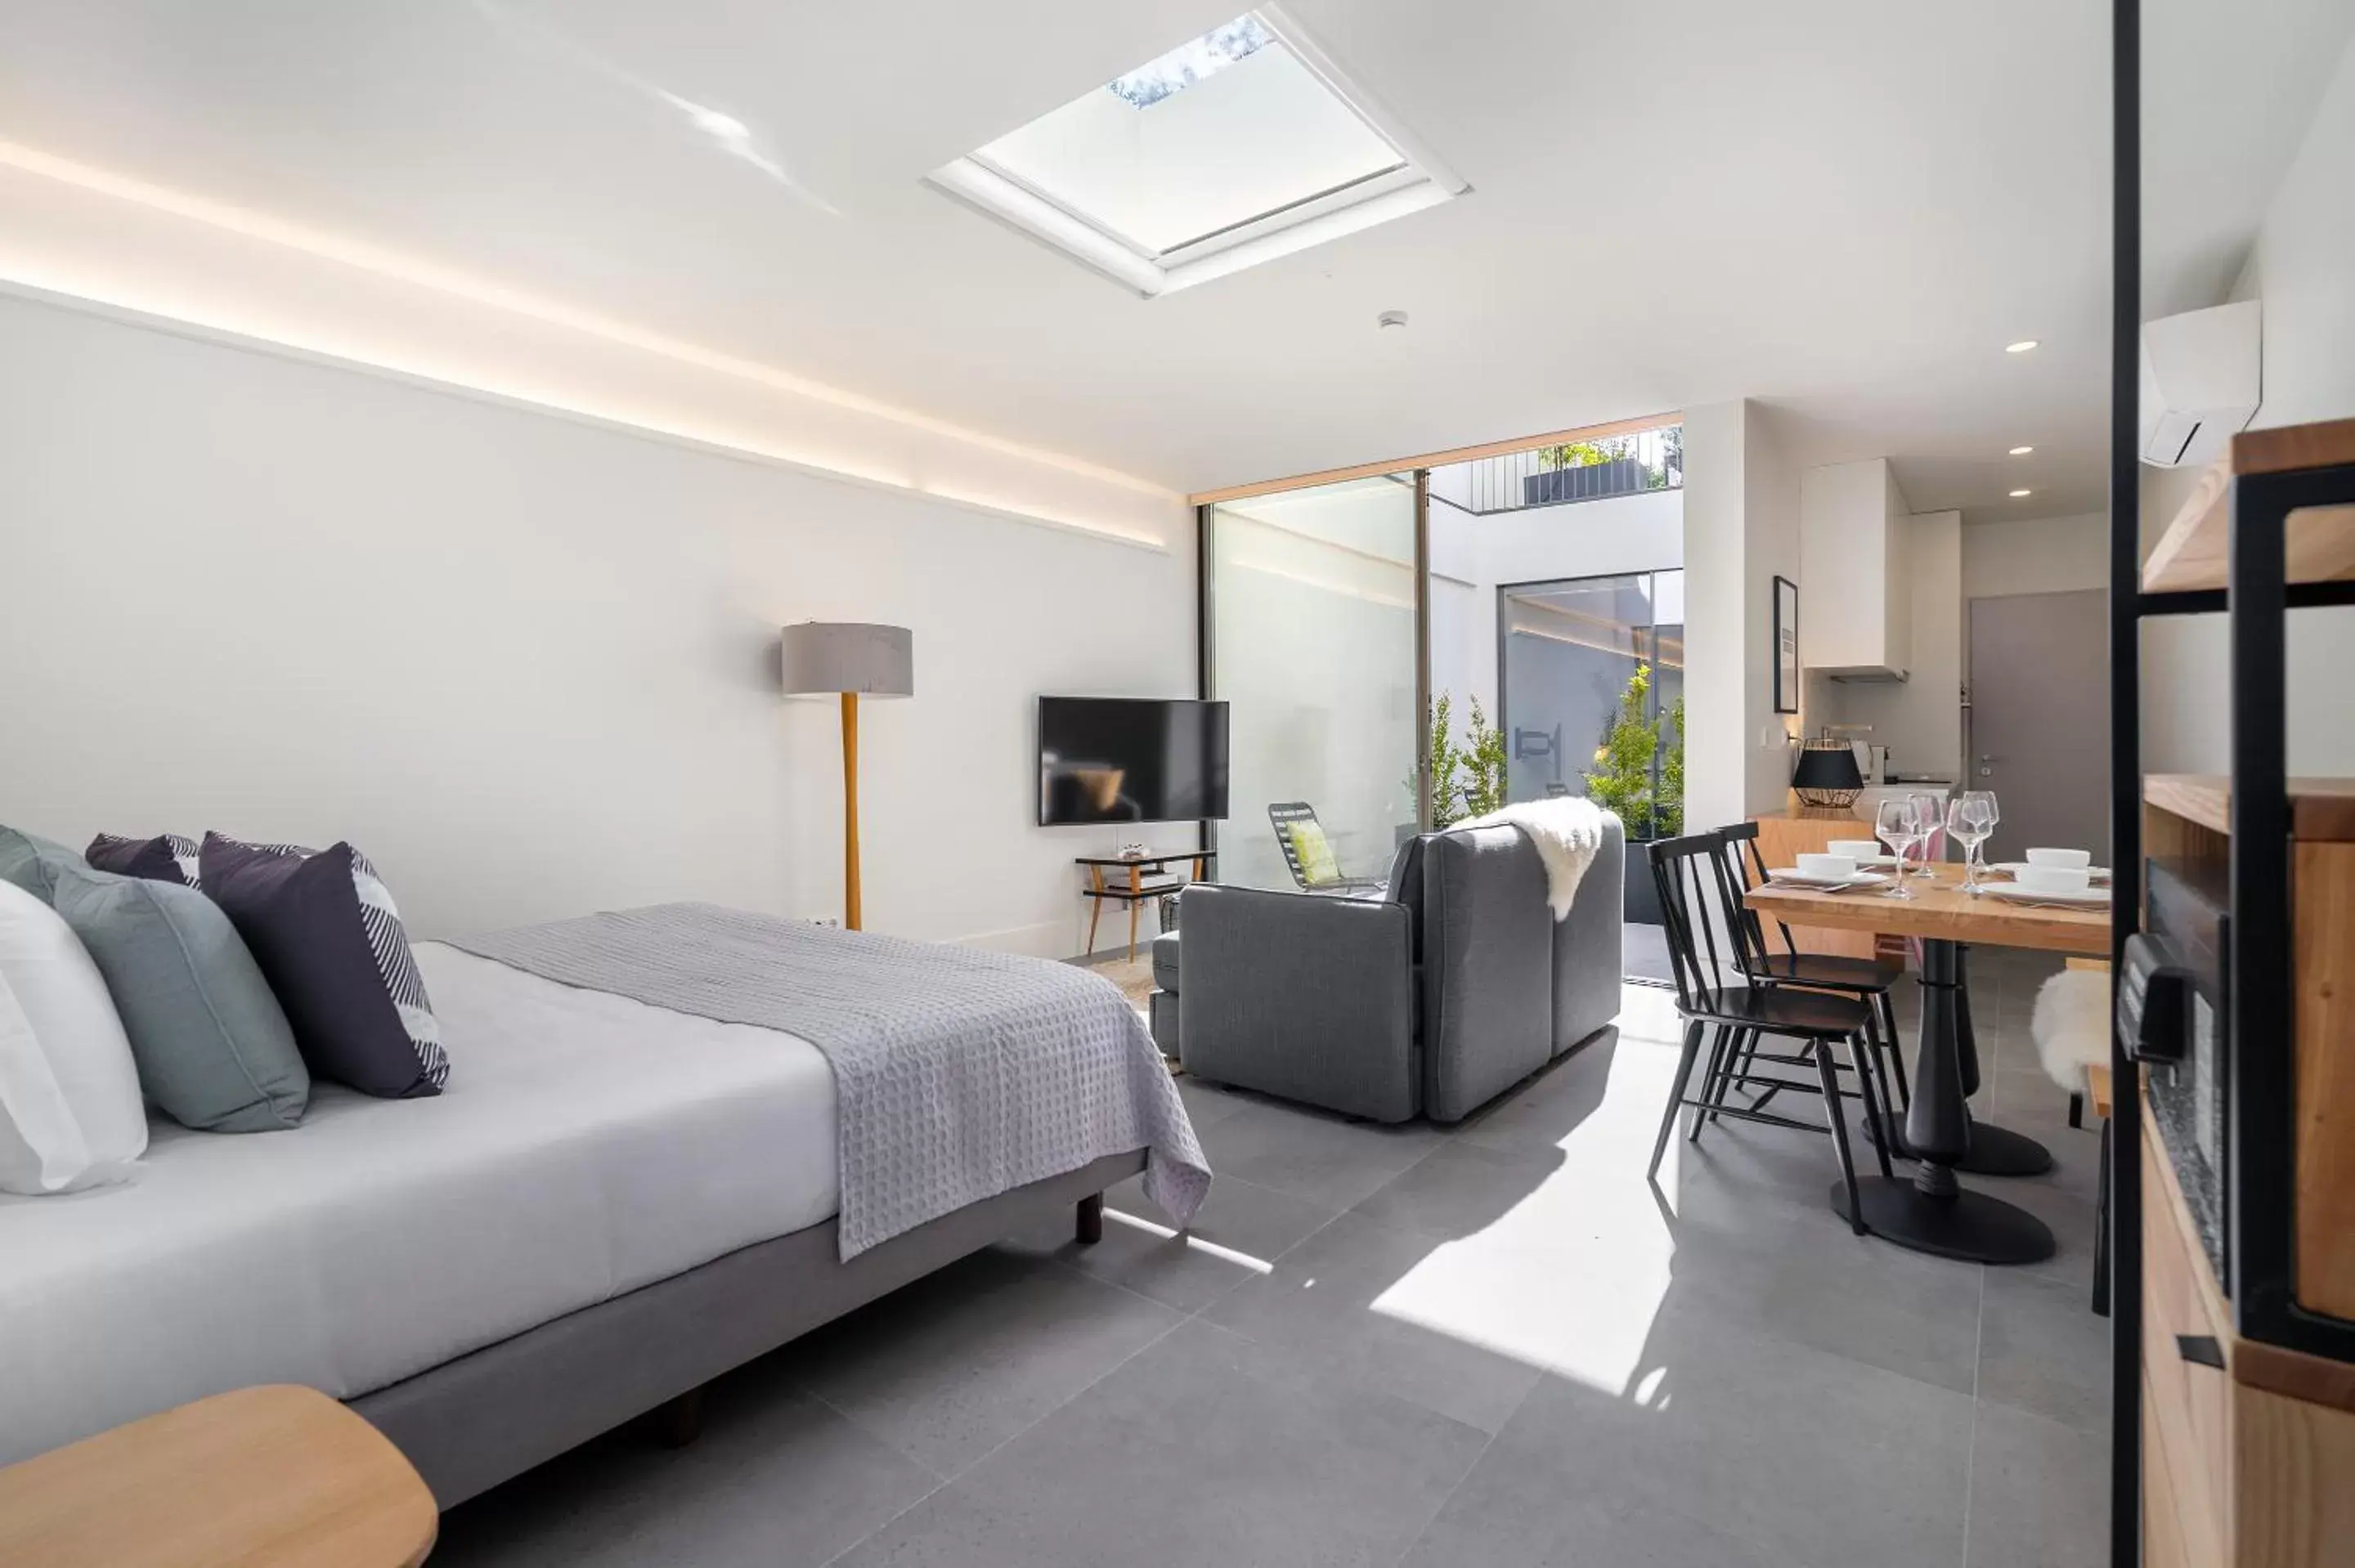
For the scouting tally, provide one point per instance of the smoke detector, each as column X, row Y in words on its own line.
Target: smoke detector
column 1390, row 319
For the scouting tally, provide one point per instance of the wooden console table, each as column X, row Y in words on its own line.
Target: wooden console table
column 1136, row 890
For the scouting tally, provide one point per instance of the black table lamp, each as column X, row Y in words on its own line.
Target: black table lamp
column 1827, row 775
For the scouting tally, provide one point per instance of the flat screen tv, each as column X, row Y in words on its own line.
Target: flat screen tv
column 1130, row 759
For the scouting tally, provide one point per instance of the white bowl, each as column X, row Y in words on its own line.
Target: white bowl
column 1856, row 849
column 2074, row 860
column 2053, row 878
column 1827, row 866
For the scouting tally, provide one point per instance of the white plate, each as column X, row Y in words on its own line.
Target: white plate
column 1791, row 877
column 2014, row 867
column 2093, row 898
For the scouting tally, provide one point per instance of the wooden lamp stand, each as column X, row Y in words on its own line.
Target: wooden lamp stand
column 850, row 914
column 849, row 660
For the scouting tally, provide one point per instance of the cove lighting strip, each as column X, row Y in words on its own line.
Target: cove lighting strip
column 393, row 266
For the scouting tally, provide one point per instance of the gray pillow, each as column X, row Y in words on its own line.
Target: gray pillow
column 212, row 1045
column 31, row 862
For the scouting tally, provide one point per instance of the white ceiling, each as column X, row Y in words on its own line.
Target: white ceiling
column 1845, row 208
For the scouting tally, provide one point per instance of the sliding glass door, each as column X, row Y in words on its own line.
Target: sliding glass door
column 1592, row 668
column 1315, row 644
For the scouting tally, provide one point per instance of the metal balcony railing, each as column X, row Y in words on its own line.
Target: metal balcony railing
column 1582, row 471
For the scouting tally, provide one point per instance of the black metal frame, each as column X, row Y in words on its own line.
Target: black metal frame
column 1205, row 620
column 2124, row 1168
column 2261, row 1226
column 1780, row 584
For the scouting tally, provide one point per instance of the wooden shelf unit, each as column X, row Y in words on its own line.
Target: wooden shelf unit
column 2186, row 816
column 2320, row 808
column 2245, row 1456
column 2245, row 1431
column 2191, row 554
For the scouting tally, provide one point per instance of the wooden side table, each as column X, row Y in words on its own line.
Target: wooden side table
column 1134, row 889
column 275, row 1476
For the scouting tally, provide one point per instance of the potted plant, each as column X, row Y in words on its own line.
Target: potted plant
column 1621, row 781
column 1587, row 471
column 1466, row 781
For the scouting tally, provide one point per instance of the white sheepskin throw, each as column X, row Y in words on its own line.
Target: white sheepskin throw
column 2072, row 1025
column 1567, row 830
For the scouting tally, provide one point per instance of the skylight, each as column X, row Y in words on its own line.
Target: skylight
column 1188, row 63
column 1235, row 148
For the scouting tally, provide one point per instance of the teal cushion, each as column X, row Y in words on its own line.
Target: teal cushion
column 31, row 862
column 212, row 1045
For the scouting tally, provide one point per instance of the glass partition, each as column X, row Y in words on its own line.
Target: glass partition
column 1583, row 658
column 1312, row 644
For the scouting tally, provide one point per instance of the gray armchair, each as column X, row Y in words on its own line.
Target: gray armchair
column 1432, row 1001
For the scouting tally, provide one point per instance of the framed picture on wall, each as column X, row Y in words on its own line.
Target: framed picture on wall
column 1786, row 646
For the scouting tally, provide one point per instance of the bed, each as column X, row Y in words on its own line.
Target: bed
column 613, row 1203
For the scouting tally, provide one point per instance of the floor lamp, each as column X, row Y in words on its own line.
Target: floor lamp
column 852, row 660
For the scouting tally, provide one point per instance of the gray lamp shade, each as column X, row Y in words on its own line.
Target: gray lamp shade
column 850, row 656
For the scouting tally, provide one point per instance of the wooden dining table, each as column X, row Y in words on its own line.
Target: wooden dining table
column 1930, row 1210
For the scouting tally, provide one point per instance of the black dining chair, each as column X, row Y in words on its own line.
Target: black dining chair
column 1871, row 980
column 1736, row 1017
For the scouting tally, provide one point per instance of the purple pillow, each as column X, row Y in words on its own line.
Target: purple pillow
column 167, row 857
column 329, row 941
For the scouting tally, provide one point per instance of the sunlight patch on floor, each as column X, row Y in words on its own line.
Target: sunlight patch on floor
column 1193, row 1242
column 1581, row 1306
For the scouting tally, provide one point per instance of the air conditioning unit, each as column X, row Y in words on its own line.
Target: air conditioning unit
column 2200, row 382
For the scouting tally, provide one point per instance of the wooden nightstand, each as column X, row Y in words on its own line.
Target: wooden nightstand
column 279, row 1476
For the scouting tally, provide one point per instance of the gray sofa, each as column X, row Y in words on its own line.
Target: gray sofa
column 1432, row 1001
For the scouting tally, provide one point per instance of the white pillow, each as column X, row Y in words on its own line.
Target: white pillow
column 41, row 1148
column 74, row 1023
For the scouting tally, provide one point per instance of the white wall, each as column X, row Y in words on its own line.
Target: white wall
column 2036, row 554
column 1770, row 526
column 528, row 664
column 2303, row 268
column 1471, row 557
column 109, row 240
column 1741, row 529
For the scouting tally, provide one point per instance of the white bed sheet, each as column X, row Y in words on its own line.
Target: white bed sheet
column 586, row 1145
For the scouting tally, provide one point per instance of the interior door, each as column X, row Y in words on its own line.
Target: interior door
column 2040, row 734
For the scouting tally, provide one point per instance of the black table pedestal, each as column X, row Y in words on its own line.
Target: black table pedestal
column 1992, row 1151
column 1930, row 1213
column 1971, row 1226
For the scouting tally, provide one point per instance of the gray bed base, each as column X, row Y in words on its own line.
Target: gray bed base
column 469, row 1424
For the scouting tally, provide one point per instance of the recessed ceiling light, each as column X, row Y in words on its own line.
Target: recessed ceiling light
column 2022, row 346
column 2021, row 451
column 2017, row 493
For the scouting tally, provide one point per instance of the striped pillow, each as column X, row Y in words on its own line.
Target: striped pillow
column 167, row 857
column 324, row 930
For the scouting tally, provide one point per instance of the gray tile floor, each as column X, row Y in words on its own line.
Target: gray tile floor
column 1495, row 1344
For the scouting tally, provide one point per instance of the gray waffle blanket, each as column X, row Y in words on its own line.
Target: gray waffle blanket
column 959, row 1072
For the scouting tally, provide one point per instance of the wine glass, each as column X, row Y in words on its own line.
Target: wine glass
column 1968, row 825
column 1896, row 824
column 1930, row 818
column 1985, row 801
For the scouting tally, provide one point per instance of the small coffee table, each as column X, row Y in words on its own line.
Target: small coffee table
column 274, row 1476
